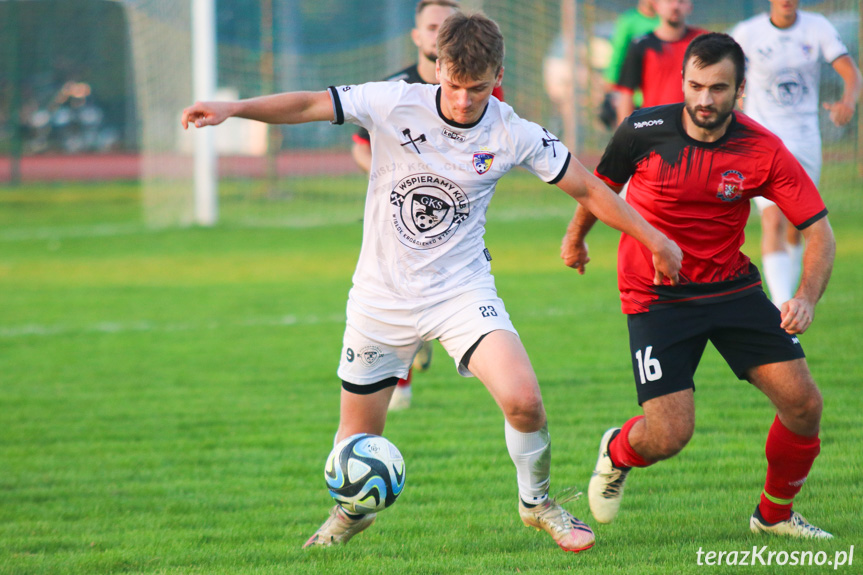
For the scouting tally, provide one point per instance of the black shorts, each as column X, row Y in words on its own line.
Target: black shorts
column 667, row 344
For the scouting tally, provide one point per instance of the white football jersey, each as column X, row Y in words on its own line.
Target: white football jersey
column 430, row 184
column 783, row 73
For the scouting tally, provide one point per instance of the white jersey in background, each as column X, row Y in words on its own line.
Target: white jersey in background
column 430, row 184
column 783, row 75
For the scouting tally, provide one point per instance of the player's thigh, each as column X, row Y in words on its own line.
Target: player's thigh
column 666, row 346
column 746, row 333
column 463, row 321
column 501, row 363
column 377, row 345
column 669, row 421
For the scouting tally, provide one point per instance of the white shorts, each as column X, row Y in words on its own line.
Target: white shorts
column 381, row 343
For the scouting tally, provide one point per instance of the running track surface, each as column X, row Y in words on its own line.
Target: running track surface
column 107, row 167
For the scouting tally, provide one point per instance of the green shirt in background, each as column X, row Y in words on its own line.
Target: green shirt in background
column 630, row 25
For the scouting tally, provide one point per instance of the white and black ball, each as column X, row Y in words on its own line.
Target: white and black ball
column 365, row 473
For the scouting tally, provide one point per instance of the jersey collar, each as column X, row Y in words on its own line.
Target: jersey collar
column 732, row 126
column 453, row 123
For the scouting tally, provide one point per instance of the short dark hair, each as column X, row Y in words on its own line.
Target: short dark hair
column 709, row 49
column 423, row 4
column 471, row 45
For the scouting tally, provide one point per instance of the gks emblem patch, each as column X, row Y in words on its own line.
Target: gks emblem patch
column 427, row 210
column 482, row 162
column 370, row 355
column 731, row 187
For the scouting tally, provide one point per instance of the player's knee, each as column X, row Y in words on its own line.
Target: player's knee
column 804, row 413
column 526, row 412
column 670, row 446
column 669, row 441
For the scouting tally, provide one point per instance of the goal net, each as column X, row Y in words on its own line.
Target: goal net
column 556, row 51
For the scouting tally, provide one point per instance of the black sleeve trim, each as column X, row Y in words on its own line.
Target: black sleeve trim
column 562, row 172
column 812, row 220
column 337, row 107
column 370, row 388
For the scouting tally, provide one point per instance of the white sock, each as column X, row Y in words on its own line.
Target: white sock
column 777, row 274
column 531, row 453
column 795, row 252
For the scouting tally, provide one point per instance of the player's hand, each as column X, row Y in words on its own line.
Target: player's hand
column 667, row 262
column 202, row 114
column 574, row 254
column 840, row 112
column 797, row 314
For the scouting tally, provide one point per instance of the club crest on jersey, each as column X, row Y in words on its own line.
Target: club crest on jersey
column 427, row 209
column 731, row 187
column 482, row 162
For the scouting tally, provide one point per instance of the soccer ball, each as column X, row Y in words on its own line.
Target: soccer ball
column 365, row 473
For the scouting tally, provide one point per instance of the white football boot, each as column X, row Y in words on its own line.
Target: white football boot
column 339, row 528
column 568, row 532
column 401, row 398
column 423, row 358
column 605, row 490
column 794, row 526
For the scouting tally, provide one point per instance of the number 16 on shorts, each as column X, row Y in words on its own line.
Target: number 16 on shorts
column 649, row 368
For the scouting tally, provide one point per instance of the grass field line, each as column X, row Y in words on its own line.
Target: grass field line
column 58, row 232
column 123, row 327
column 119, row 327
column 288, row 222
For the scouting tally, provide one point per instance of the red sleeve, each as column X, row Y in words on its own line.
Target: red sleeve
column 793, row 190
column 498, row 93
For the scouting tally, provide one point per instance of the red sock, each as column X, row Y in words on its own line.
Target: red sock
column 406, row 382
column 620, row 450
column 789, row 459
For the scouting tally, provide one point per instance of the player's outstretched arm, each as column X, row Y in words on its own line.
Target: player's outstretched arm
column 602, row 203
column 798, row 312
column 286, row 108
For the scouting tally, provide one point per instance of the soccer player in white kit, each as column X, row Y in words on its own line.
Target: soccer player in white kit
column 423, row 270
column 784, row 50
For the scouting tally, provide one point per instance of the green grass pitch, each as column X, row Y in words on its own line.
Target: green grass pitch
column 168, row 399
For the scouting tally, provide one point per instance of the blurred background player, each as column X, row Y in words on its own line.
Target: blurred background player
column 784, row 50
column 631, row 24
column 430, row 15
column 653, row 62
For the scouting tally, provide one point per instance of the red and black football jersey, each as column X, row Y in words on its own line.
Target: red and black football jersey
column 656, row 67
column 697, row 194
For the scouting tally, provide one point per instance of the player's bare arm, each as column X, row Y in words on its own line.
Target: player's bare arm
column 362, row 154
column 624, row 104
column 842, row 111
column 286, row 108
column 798, row 312
column 602, row 203
column 573, row 249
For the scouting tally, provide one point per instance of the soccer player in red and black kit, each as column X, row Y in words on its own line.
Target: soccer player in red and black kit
column 694, row 167
column 652, row 62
